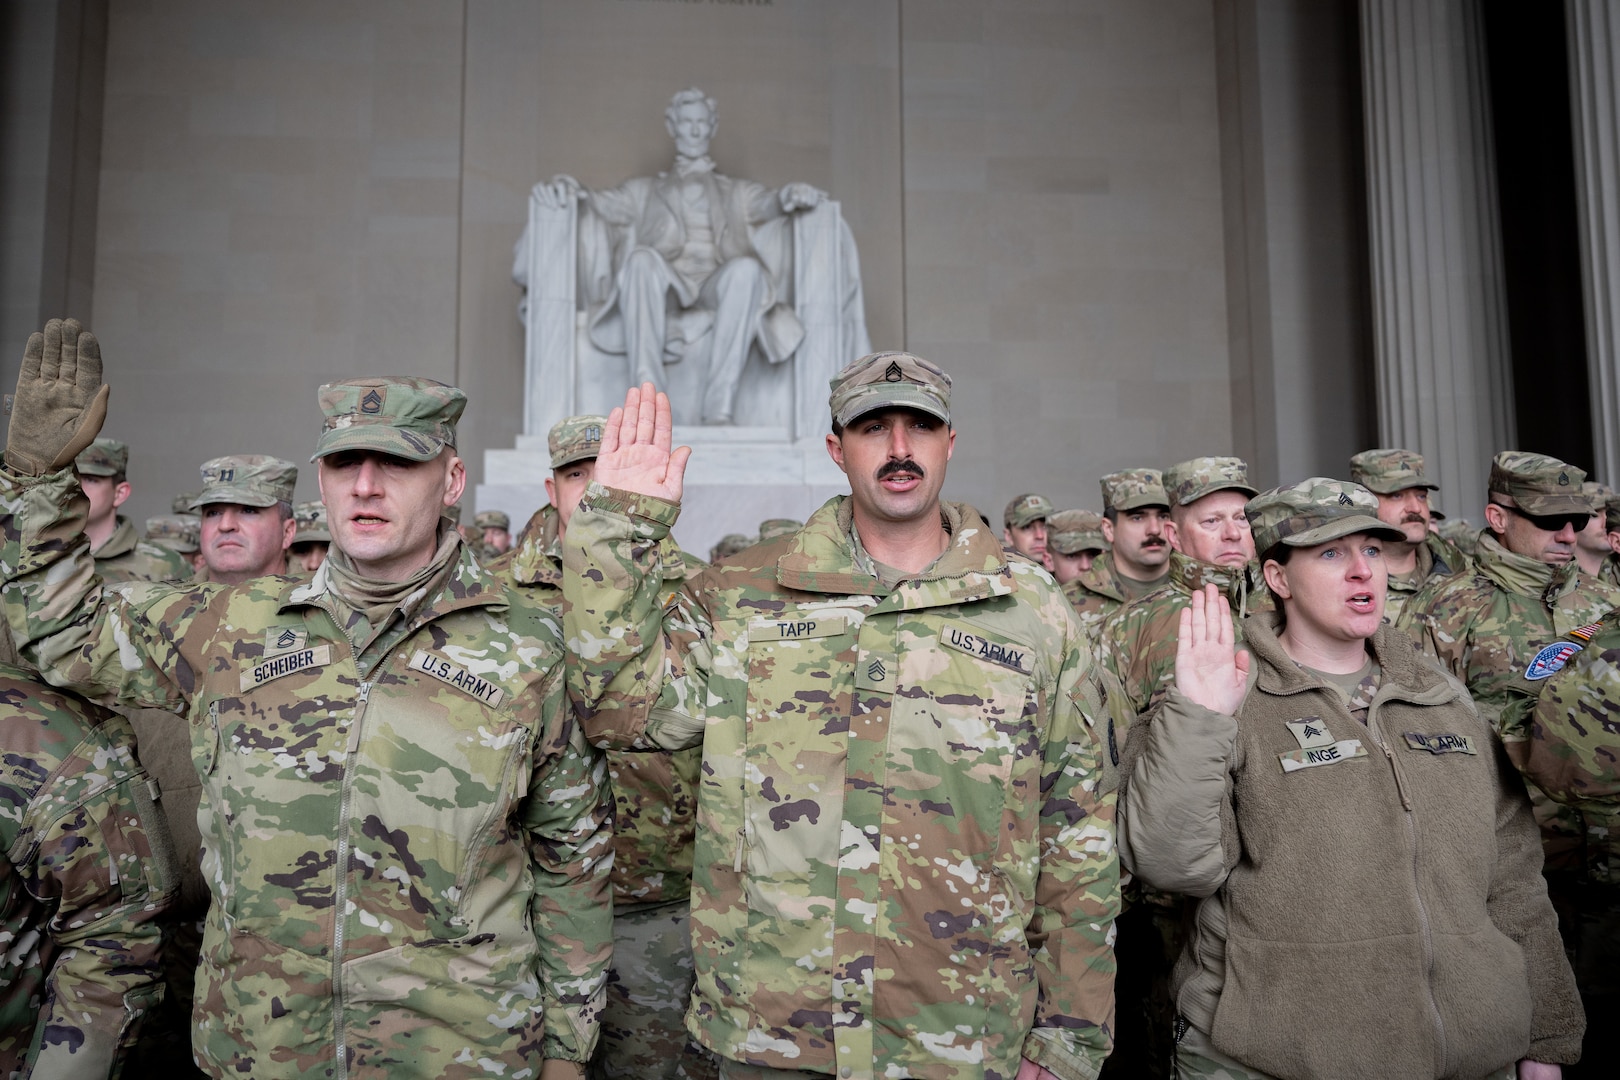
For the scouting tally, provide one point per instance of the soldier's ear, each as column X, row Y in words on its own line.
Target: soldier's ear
column 121, row 493
column 835, row 450
column 1276, row 575
column 1108, row 530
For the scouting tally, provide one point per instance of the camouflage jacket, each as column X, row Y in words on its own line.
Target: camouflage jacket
column 1572, row 749
column 905, row 857
column 1138, row 642
column 654, row 792
column 1096, row 594
column 126, row 557
column 407, row 849
column 1436, row 558
column 87, row 874
column 1487, row 627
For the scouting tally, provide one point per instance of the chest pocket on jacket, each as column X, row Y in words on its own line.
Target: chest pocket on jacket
column 964, row 741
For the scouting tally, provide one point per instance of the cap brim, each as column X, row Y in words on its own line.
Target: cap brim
column 1245, row 488
column 894, row 396
column 234, row 496
column 94, row 470
column 318, row 536
column 1549, row 505
column 581, row 455
column 1391, row 487
column 1345, row 526
column 1075, row 549
column 1137, row 502
column 381, row 439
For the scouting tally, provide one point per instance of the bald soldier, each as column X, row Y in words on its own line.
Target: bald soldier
column 119, row 553
column 904, row 857
column 407, row 837
column 1136, row 525
column 1398, row 479
column 247, row 518
column 655, row 800
column 1023, row 526
column 1074, row 540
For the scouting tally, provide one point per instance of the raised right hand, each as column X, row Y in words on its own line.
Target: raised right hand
column 60, row 402
column 635, row 454
column 1209, row 669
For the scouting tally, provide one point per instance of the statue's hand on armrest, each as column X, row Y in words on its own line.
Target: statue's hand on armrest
column 560, row 192
column 60, row 402
column 798, row 196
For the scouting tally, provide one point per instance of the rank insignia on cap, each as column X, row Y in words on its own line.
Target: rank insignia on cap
column 372, row 403
column 892, row 373
column 227, row 475
column 593, row 434
column 1345, row 500
column 1551, row 660
column 1563, row 479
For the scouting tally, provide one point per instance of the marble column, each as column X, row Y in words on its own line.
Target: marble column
column 1440, row 322
column 1593, row 27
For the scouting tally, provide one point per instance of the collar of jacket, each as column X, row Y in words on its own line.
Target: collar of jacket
column 1521, row 574
column 537, row 559
column 1405, row 675
column 1189, row 575
column 821, row 559
column 468, row 586
column 1103, row 578
column 1445, row 557
column 121, row 542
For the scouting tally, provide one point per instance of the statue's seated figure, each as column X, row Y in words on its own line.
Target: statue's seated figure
column 694, row 267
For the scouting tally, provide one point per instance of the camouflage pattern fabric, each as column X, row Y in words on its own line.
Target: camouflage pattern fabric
column 1437, row 558
column 1095, row 595
column 905, row 861
column 655, row 806
column 1487, row 627
column 643, row 1036
column 407, row 845
column 1138, row 642
column 88, row 875
column 1538, row 484
column 126, row 557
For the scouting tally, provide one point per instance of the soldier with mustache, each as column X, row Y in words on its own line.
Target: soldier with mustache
column 1397, row 478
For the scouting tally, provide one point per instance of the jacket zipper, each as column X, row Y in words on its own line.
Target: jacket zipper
column 1417, row 896
column 341, row 895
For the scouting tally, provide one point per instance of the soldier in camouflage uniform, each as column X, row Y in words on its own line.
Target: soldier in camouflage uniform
column 1397, row 478
column 730, row 544
column 247, row 517
column 311, row 537
column 1366, row 865
column 1505, row 621
column 1136, row 525
column 1592, row 550
column 1024, row 527
column 1573, row 755
column 496, row 528
column 87, row 874
column 1073, row 542
column 119, row 553
column 904, row 861
column 1213, row 547
column 774, row 528
column 180, row 533
column 655, row 802
column 407, row 839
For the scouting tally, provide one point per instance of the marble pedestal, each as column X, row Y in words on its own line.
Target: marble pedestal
column 738, row 477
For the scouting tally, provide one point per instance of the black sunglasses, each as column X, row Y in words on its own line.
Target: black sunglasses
column 1550, row 522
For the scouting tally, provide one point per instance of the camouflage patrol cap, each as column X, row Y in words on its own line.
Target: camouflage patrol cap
column 492, row 519
column 1073, row 531
column 890, row 380
column 1190, row 481
column 1025, row 509
column 181, row 503
column 1386, row 472
column 1597, row 494
column 771, row 528
column 312, row 527
column 575, row 438
column 103, row 457
column 1537, row 484
column 1611, row 513
column 1131, row 489
column 402, row 415
column 246, row 480
column 177, row 532
column 729, row 545
column 1315, row 511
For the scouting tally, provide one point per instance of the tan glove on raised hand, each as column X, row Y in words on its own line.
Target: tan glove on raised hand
column 61, row 401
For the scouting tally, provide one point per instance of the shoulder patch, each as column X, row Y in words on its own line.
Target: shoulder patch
column 452, row 674
column 1551, row 659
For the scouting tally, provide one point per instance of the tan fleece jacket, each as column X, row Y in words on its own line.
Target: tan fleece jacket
column 1384, row 908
